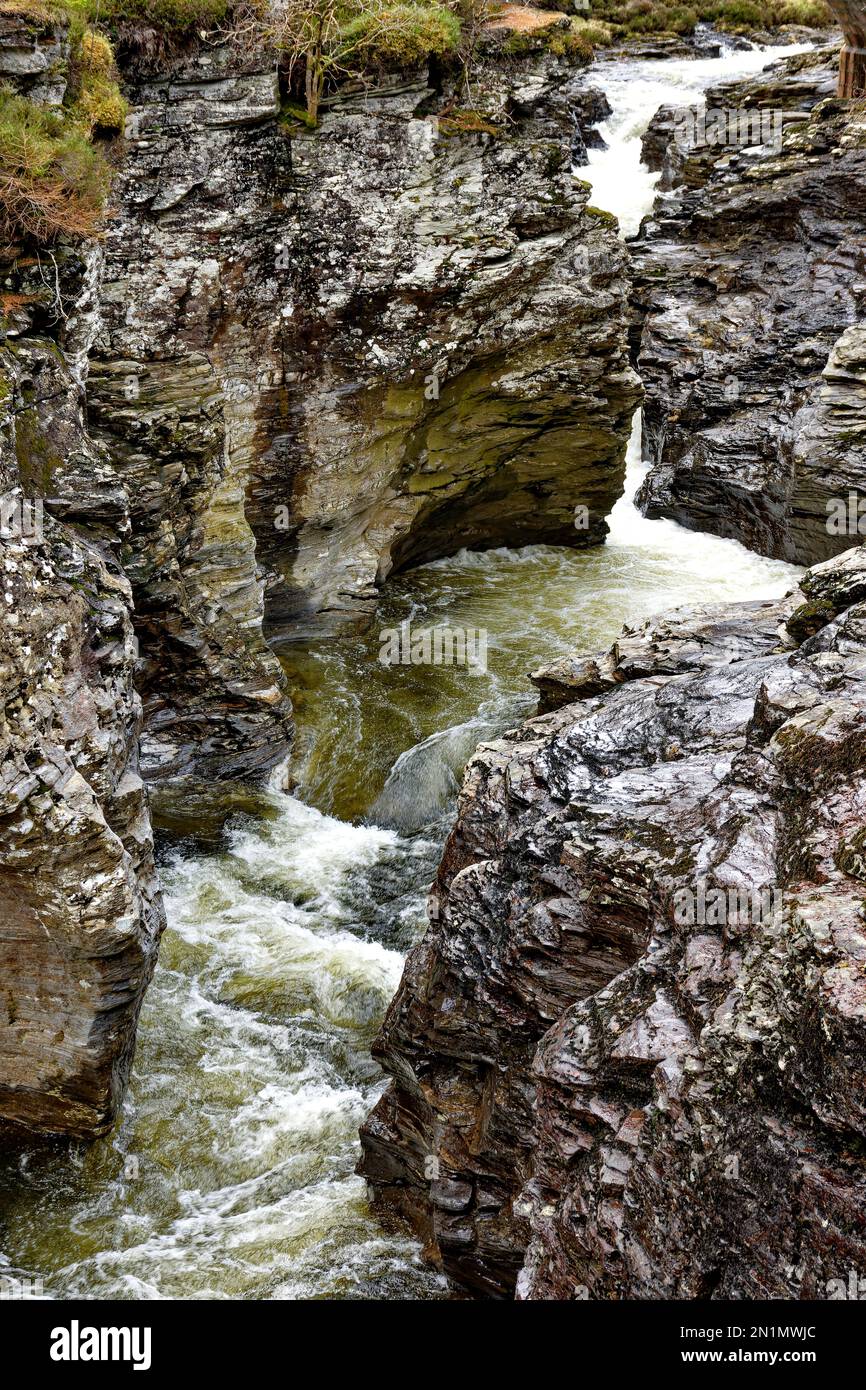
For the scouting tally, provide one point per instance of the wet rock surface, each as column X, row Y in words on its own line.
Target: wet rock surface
column 173, row 380
column 80, row 908
column 627, row 1057
column 749, row 284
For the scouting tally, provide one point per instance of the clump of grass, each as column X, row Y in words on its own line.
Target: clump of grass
column 602, row 215
column 95, row 53
column 635, row 17
column 53, row 181
column 467, row 121
column 294, row 111
column 738, row 14
column 813, row 13
column 177, row 17
column 400, row 36
column 571, row 43
column 746, row 16
column 598, row 35
column 93, row 98
column 566, row 40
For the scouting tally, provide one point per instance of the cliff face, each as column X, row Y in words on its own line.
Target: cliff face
column 176, row 375
column 328, row 352
column 80, row 909
column 627, row 1057
column 749, row 289
column 453, row 273
column 81, row 912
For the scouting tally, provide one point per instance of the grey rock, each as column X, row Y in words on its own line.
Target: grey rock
column 327, row 354
column 637, row 1027
column 749, row 297
column 33, row 56
column 80, row 910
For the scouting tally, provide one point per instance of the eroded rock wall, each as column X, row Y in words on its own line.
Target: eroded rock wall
column 326, row 353
column 750, row 282
column 80, row 909
column 179, row 366
column 599, row 1088
column 297, row 359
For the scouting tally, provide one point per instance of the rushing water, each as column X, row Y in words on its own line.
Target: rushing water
column 231, row 1173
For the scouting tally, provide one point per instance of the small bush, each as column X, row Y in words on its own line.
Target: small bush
column 52, row 180
column 674, row 19
column 741, row 14
column 748, row 16
column 95, row 53
column 598, row 35
column 403, row 35
column 93, row 97
column 568, row 43
column 813, row 13
column 99, row 105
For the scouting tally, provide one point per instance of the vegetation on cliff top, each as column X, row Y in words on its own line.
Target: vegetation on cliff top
column 54, row 173
column 629, row 18
column 52, row 179
column 173, row 16
column 325, row 42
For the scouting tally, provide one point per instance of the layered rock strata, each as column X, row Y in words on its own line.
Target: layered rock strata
column 298, row 359
column 627, row 1058
column 80, row 909
column 750, row 284
column 355, row 347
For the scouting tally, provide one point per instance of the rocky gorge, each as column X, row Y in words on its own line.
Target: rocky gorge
column 304, row 360
column 597, row 1094
column 749, row 295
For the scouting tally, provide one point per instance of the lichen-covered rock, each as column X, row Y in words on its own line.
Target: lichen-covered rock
column 34, row 49
column 627, row 1058
column 750, row 291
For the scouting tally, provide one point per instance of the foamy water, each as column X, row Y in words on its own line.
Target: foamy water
column 620, row 183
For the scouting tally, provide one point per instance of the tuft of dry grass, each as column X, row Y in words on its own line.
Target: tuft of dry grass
column 53, row 181
column 522, row 20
